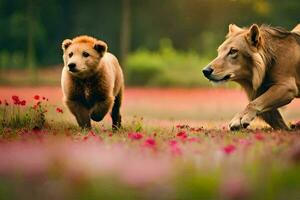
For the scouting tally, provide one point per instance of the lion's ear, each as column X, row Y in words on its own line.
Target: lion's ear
column 232, row 28
column 65, row 44
column 296, row 29
column 100, row 47
column 254, row 35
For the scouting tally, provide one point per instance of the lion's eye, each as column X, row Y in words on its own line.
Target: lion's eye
column 85, row 54
column 70, row 54
column 233, row 52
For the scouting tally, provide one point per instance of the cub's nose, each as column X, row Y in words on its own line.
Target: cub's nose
column 207, row 71
column 72, row 66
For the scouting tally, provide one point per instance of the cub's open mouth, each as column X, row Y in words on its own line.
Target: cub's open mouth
column 225, row 78
column 73, row 70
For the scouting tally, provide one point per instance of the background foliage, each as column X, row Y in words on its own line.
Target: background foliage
column 32, row 31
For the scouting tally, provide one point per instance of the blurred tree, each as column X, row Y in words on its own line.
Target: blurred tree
column 36, row 28
column 125, row 32
column 30, row 38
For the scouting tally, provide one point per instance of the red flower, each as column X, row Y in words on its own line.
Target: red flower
column 259, row 136
column 36, row 97
column 15, row 99
column 135, row 136
column 182, row 126
column 23, row 103
column 229, row 149
column 0, row 102
column 150, row 142
column 91, row 135
column 183, row 135
column 59, row 110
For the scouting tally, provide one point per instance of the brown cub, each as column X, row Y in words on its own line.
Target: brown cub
column 265, row 61
column 92, row 81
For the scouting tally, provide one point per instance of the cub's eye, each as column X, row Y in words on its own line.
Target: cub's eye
column 85, row 54
column 70, row 54
column 233, row 52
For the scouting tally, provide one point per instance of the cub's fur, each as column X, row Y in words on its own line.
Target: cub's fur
column 92, row 81
column 265, row 61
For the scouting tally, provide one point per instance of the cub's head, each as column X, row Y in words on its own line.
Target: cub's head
column 238, row 57
column 82, row 55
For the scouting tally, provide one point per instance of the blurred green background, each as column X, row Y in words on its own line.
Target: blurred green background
column 159, row 42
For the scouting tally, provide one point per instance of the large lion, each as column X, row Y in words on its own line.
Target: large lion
column 265, row 61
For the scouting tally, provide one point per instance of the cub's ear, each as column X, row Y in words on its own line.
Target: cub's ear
column 100, row 47
column 65, row 44
column 232, row 28
column 254, row 35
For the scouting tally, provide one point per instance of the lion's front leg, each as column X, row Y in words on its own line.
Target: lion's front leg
column 275, row 97
column 274, row 119
column 243, row 120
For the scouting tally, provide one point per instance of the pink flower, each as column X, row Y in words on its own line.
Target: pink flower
column 174, row 147
column 244, row 142
column 135, row 136
column 36, row 97
column 149, row 142
column 229, row 149
column 173, row 142
column 59, row 110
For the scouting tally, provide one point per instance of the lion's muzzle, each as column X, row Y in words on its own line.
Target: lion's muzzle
column 207, row 71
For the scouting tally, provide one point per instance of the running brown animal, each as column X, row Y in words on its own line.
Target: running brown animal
column 265, row 61
column 92, row 81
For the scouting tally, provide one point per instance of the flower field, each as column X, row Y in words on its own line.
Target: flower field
column 174, row 144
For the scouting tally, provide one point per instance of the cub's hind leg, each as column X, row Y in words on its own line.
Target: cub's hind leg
column 115, row 113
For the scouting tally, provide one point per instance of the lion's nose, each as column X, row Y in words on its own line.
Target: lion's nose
column 72, row 66
column 207, row 71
